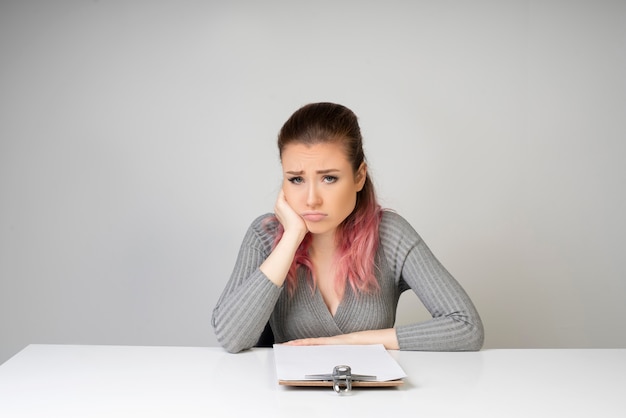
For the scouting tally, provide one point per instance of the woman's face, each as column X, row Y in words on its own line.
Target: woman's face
column 319, row 184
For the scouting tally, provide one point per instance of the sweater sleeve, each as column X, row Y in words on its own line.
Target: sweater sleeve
column 243, row 309
column 455, row 323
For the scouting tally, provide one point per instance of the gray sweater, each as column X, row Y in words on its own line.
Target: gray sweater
column 403, row 262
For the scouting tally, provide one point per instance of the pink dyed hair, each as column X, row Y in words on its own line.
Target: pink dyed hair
column 357, row 237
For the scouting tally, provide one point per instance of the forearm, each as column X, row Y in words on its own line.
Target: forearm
column 455, row 332
column 277, row 264
column 387, row 337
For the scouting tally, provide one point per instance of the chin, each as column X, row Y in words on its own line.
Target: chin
column 316, row 228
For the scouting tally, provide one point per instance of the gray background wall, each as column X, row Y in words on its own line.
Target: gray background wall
column 137, row 144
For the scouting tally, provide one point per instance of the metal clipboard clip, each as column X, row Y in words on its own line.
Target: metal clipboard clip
column 342, row 378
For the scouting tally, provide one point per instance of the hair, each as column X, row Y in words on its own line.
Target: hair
column 357, row 237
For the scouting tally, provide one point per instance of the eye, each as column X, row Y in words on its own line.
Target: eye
column 296, row 180
column 329, row 179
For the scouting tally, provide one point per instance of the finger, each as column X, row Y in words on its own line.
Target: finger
column 300, row 342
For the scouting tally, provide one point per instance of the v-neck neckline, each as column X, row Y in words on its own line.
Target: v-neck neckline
column 341, row 307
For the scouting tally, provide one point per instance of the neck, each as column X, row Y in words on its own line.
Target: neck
column 323, row 245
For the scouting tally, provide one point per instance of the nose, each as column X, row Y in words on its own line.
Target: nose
column 313, row 198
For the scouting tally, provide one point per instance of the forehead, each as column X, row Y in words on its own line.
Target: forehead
column 319, row 156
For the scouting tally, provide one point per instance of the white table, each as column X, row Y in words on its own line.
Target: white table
column 117, row 381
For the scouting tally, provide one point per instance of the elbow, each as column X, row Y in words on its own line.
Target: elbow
column 230, row 342
column 466, row 332
column 472, row 335
column 231, row 345
column 232, row 348
column 474, row 341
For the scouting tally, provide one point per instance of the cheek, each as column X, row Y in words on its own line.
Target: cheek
column 290, row 194
column 348, row 201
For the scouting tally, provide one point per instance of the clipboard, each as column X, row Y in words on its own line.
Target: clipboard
column 339, row 366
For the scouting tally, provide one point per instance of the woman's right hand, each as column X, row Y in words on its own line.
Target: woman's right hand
column 291, row 221
column 277, row 264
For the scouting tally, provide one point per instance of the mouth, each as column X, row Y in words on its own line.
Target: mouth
column 314, row 216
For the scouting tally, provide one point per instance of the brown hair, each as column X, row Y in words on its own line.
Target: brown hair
column 357, row 236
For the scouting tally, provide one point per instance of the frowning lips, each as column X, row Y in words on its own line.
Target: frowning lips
column 314, row 216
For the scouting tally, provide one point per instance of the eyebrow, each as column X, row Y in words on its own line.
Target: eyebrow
column 327, row 171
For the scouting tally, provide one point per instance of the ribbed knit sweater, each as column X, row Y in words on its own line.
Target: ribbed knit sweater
column 403, row 261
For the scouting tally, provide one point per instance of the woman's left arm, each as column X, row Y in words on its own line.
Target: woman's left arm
column 455, row 323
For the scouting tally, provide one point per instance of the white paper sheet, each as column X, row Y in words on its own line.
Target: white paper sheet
column 295, row 362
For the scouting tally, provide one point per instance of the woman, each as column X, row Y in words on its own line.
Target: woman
column 329, row 265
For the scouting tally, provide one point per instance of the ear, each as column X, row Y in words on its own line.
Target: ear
column 360, row 177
